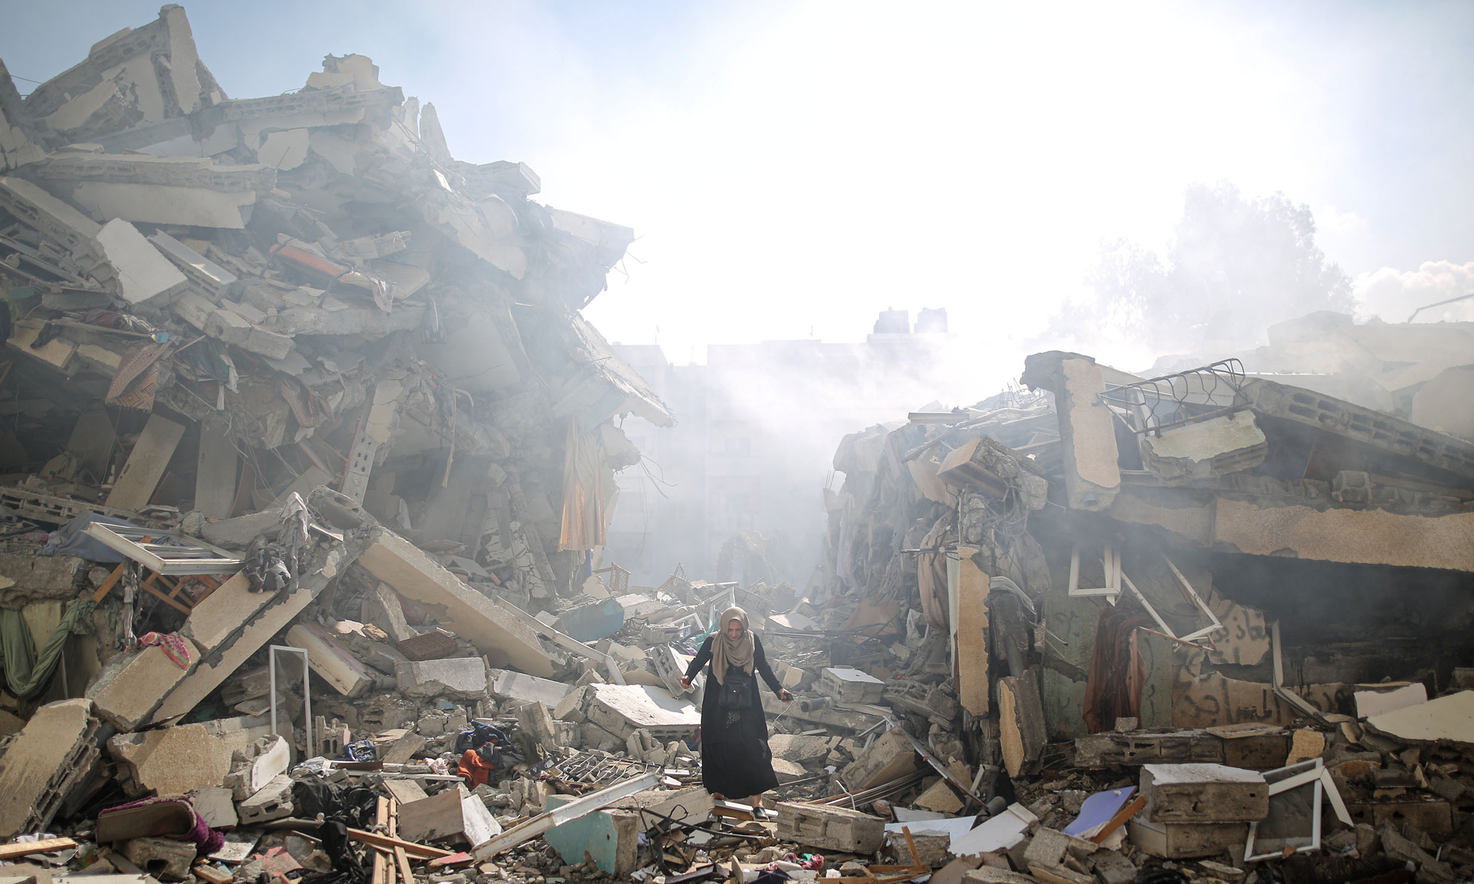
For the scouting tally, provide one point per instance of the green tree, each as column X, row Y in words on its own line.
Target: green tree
column 1235, row 266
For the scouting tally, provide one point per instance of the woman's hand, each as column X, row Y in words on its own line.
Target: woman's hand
column 785, row 696
column 686, row 682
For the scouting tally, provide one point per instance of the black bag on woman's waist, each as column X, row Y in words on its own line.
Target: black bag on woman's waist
column 736, row 692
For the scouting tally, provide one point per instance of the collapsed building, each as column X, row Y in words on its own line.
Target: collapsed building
column 1205, row 568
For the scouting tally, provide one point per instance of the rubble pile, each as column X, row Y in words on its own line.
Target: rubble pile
column 1179, row 615
column 310, row 453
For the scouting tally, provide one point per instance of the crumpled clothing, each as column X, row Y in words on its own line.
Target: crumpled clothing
column 812, row 861
column 208, row 840
column 174, row 645
column 363, row 750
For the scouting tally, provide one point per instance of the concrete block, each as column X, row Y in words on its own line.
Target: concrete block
column 1186, row 840
column 272, row 802
column 143, row 273
column 830, row 828
column 238, row 533
column 849, row 685
column 163, row 858
column 967, row 605
column 463, row 677
column 43, row 763
column 670, row 665
column 889, row 757
column 1203, row 793
column 501, row 636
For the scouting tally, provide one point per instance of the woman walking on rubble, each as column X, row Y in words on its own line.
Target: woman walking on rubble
column 735, row 758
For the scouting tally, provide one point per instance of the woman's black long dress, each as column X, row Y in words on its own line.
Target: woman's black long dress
column 735, row 759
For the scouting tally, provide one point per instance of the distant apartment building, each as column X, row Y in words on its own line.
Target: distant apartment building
column 752, row 449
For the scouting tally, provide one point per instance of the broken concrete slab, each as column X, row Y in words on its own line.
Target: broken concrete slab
column 132, row 685
column 216, row 806
column 463, row 677
column 163, row 858
column 522, row 688
column 183, row 758
column 143, row 274
column 502, row 637
column 1448, row 719
column 623, row 709
column 1086, row 427
column 1380, row 702
column 42, row 765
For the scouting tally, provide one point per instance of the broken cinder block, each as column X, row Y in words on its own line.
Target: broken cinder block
column 830, row 828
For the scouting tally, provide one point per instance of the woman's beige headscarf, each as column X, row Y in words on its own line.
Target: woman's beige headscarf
column 725, row 652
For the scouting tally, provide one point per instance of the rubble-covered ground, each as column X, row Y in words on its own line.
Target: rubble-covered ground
column 308, row 450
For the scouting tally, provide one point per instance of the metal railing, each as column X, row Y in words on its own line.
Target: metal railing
column 1172, row 400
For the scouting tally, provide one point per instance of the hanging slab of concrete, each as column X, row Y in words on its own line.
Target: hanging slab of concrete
column 143, row 273
column 1022, row 732
column 42, row 763
column 230, row 630
column 146, row 464
column 132, row 685
column 1205, row 449
column 502, row 637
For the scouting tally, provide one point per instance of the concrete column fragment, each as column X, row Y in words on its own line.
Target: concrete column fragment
column 1086, row 427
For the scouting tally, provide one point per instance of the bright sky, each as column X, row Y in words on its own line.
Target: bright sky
column 793, row 168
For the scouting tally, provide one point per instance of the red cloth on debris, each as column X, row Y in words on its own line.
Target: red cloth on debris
column 1117, row 673
column 475, row 769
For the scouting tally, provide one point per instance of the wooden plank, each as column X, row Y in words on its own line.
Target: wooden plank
column 146, row 464
column 401, row 857
column 26, row 848
column 384, row 841
column 214, row 487
column 381, row 859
